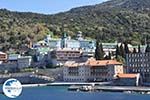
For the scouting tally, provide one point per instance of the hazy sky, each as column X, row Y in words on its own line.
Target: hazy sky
column 45, row 6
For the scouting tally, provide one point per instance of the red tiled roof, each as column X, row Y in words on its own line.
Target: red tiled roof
column 127, row 75
column 102, row 62
column 73, row 64
column 92, row 62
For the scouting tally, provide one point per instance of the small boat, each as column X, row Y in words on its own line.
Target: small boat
column 86, row 88
column 128, row 92
column 73, row 88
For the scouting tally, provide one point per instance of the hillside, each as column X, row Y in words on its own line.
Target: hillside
column 121, row 20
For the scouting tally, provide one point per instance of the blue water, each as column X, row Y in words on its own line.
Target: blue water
column 61, row 93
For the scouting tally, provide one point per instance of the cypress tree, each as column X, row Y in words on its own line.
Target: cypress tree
column 122, row 51
column 117, row 51
column 134, row 50
column 109, row 55
column 97, row 50
column 147, row 48
column 126, row 48
column 139, row 48
column 99, row 53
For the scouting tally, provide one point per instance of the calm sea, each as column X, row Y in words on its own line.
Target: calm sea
column 61, row 93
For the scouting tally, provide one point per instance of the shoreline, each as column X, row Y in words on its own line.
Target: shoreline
column 64, row 84
column 76, row 88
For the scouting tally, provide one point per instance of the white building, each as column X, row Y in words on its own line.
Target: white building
column 24, row 61
column 41, row 53
column 91, row 70
column 109, row 47
column 66, row 42
column 13, row 57
column 65, row 48
column 21, row 61
column 60, row 56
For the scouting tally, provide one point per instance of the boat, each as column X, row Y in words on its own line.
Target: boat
column 86, row 88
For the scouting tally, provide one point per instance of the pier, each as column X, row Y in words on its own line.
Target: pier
column 114, row 89
column 122, row 88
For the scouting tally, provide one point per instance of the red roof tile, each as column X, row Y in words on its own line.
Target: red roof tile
column 102, row 62
column 127, row 75
column 92, row 62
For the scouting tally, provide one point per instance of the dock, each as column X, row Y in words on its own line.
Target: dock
column 122, row 88
column 115, row 89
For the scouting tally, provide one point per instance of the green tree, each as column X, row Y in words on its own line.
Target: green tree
column 126, row 48
column 109, row 55
column 97, row 50
column 139, row 49
column 117, row 51
column 121, row 59
column 122, row 51
column 134, row 50
column 147, row 48
column 99, row 53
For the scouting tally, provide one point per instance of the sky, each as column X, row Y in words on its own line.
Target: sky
column 45, row 6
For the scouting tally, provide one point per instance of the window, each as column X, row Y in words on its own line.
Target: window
column 133, row 70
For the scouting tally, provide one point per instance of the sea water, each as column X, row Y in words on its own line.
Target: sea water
column 61, row 93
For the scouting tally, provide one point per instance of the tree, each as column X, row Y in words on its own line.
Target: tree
column 109, row 56
column 121, row 59
column 134, row 50
column 35, row 59
column 122, row 51
column 99, row 53
column 139, row 48
column 126, row 48
column 97, row 50
column 147, row 48
column 117, row 51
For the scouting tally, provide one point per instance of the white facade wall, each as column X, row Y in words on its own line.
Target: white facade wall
column 13, row 56
column 24, row 62
column 84, row 73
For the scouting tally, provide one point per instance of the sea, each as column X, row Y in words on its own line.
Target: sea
column 61, row 93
